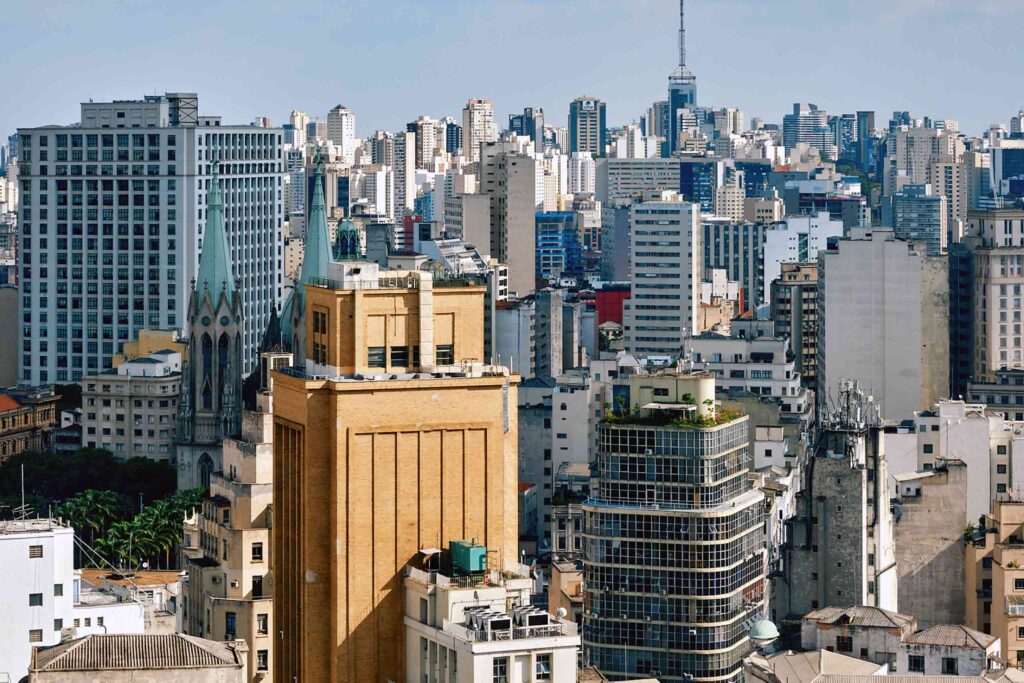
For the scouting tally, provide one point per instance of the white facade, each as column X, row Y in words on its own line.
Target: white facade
column 460, row 631
column 477, row 126
column 666, row 275
column 39, row 596
column 796, row 239
column 341, row 130
column 114, row 224
column 883, row 320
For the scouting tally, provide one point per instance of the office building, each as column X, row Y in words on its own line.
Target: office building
column 794, row 308
column 477, row 127
column 808, row 124
column 529, row 124
column 28, row 417
column 620, row 182
column 211, row 389
column 465, row 624
column 666, row 273
column 796, row 239
column 115, row 215
column 917, row 214
column 865, row 140
column 992, row 590
column 587, row 126
column 682, row 89
column 559, row 253
column 364, row 460
column 228, row 593
column 132, row 410
column 883, row 320
column 699, row 179
column 738, row 248
column 698, row 535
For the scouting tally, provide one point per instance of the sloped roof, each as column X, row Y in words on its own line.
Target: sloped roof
column 953, row 635
column 215, row 260
column 8, row 402
column 129, row 652
column 802, row 667
column 863, row 615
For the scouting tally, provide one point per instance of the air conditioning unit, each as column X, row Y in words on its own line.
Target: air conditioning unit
column 234, row 584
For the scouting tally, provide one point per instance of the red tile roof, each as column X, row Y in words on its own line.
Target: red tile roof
column 8, row 403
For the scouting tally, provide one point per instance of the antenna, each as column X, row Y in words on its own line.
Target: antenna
column 682, row 33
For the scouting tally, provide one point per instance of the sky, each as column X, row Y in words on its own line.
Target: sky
column 393, row 60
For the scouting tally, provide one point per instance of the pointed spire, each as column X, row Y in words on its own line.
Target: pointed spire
column 215, row 260
column 318, row 244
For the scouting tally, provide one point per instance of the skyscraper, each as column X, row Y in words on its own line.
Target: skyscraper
column 114, row 221
column 865, row 139
column 369, row 469
column 530, row 123
column 587, row 126
column 477, row 127
column 682, row 86
column 674, row 561
column 341, row 130
column 808, row 124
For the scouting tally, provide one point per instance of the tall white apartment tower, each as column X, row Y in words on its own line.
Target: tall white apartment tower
column 477, row 126
column 341, row 130
column 666, row 274
column 299, row 121
column 114, row 224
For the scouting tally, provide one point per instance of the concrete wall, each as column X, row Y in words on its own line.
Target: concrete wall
column 218, row 675
column 970, row 661
column 882, row 644
column 929, row 549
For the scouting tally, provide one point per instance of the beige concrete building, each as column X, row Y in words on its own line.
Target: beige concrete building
column 150, row 341
column 994, row 588
column 766, row 210
column 385, row 443
column 130, row 659
column 794, row 308
column 131, row 410
column 228, row 592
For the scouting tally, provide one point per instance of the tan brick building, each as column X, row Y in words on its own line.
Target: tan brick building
column 27, row 421
column 387, row 441
column 994, row 589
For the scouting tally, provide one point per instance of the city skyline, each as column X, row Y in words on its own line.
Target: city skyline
column 313, row 76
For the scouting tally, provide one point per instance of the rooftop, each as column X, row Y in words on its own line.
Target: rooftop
column 141, row 577
column 953, row 635
column 859, row 616
column 131, row 652
column 30, row 526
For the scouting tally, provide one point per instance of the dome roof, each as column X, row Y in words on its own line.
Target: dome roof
column 764, row 630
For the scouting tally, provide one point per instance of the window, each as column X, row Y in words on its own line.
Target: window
column 88, row 622
column 1018, row 584
column 35, row 599
column 230, row 622
column 376, row 356
column 58, row 590
column 445, row 354
column 257, row 586
column 844, row 644
column 1020, row 632
column 499, row 670
column 99, row 621
column 400, row 356
column 544, row 667
column 915, row 664
column 35, row 635
column 949, row 666
column 257, row 552
column 986, row 563
column 261, row 660
column 1000, row 469
column 58, row 624
column 926, row 448
column 226, row 516
column 35, row 551
column 261, row 624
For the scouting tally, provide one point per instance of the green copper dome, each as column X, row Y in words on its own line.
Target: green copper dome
column 764, row 630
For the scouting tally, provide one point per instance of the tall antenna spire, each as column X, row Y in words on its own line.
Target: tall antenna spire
column 682, row 33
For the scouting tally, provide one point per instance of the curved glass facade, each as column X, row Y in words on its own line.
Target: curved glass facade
column 674, row 569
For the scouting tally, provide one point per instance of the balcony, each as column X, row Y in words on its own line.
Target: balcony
column 551, row 630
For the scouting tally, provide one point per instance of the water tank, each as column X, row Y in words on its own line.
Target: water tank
column 468, row 557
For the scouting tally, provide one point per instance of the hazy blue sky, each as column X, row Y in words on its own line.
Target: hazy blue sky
column 391, row 60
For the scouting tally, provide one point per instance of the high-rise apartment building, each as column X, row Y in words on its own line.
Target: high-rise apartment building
column 515, row 184
column 682, row 89
column 992, row 589
column 917, row 214
column 910, row 153
column 674, row 562
column 665, row 275
column 620, row 182
column 865, row 139
column 477, row 127
column 587, row 126
column 368, row 470
column 132, row 410
column 341, row 130
column 114, row 220
column 299, row 121
column 794, row 308
column 949, row 179
column 883, row 321
column 796, row 239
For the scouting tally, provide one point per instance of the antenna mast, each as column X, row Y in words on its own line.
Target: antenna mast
column 682, row 33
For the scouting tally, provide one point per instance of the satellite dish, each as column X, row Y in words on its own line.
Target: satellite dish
column 562, row 613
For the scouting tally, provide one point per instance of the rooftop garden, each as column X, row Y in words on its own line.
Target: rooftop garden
column 686, row 418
